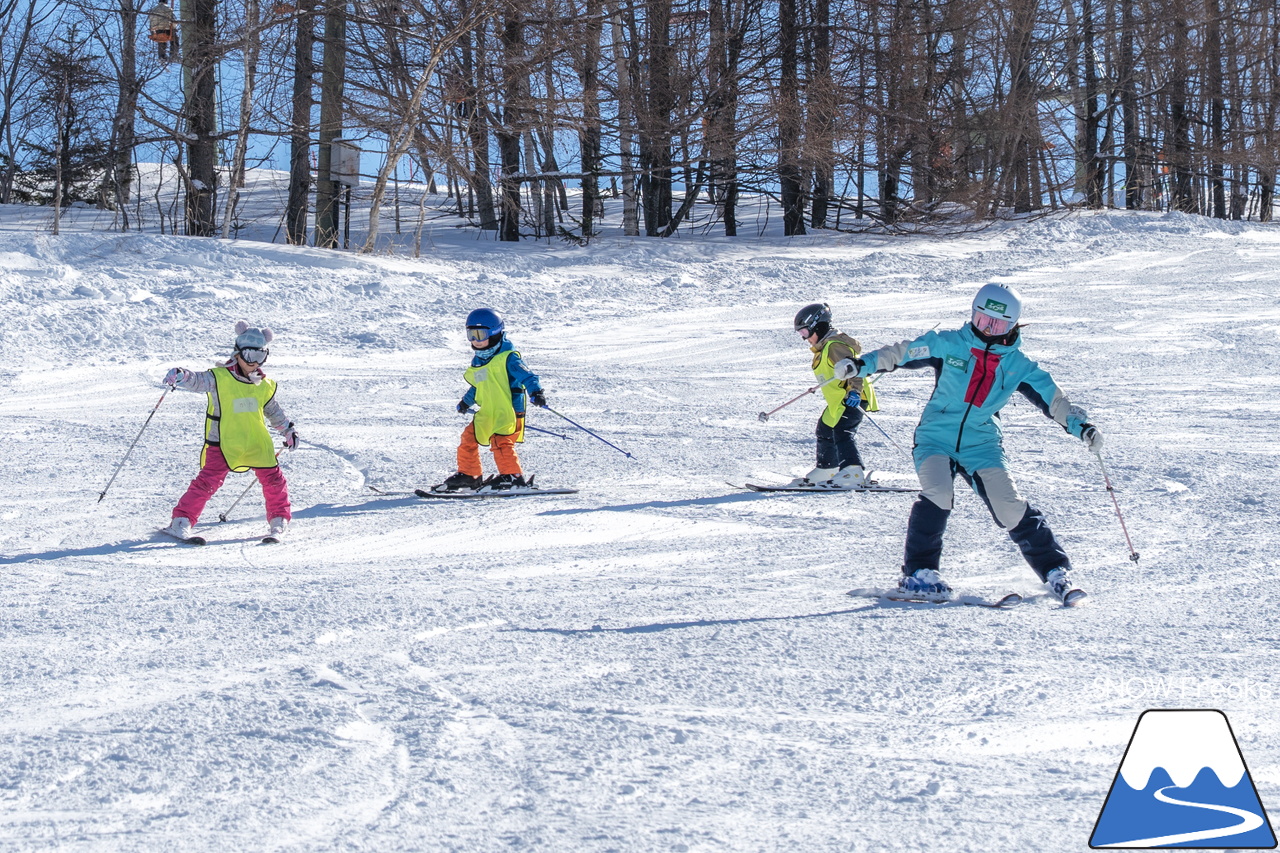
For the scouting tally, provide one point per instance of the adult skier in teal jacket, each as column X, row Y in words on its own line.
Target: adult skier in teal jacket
column 977, row 369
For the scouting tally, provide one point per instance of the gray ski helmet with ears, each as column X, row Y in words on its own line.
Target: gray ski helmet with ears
column 811, row 316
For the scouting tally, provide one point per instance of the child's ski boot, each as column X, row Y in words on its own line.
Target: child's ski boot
column 1061, row 587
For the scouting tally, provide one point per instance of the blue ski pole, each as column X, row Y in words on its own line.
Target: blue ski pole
column 590, row 433
column 547, row 431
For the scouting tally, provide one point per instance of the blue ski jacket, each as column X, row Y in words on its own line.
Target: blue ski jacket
column 521, row 378
column 973, row 380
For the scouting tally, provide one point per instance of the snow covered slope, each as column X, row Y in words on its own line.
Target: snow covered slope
column 659, row 662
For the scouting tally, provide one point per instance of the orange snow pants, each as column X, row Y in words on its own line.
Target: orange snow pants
column 504, row 453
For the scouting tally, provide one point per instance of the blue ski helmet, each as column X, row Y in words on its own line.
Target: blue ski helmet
column 486, row 319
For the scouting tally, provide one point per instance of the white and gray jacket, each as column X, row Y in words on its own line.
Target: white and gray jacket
column 203, row 382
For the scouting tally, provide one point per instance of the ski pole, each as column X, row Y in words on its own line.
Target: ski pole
column 547, row 431
column 534, row 428
column 131, row 446
column 222, row 516
column 867, row 415
column 590, row 433
column 764, row 416
column 1133, row 555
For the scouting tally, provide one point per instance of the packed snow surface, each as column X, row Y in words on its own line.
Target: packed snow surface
column 662, row 661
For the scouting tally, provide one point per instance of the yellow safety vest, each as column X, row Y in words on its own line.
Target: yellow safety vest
column 242, row 429
column 836, row 392
column 497, row 415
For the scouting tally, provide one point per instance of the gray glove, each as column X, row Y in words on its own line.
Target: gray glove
column 845, row 368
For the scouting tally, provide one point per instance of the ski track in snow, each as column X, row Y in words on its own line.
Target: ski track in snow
column 657, row 662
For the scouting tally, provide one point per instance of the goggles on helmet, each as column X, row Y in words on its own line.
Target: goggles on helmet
column 991, row 326
column 254, row 356
column 478, row 333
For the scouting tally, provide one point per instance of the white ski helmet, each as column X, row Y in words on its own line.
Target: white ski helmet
column 996, row 309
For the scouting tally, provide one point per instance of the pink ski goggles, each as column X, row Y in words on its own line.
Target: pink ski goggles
column 993, row 326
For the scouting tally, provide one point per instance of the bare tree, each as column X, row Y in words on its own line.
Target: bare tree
column 790, row 120
column 408, row 112
column 22, row 24
column 300, row 123
column 200, row 58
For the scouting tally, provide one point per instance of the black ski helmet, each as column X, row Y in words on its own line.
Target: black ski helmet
column 814, row 318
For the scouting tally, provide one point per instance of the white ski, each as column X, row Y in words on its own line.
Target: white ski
column 823, row 489
column 190, row 540
column 1002, row 602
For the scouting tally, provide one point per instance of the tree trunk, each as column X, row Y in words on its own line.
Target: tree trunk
column 1090, row 162
column 1021, row 118
column 300, row 125
column 789, row 122
column 123, row 133
column 200, row 60
column 477, row 122
column 589, row 139
column 822, row 114
column 624, row 67
column 332, row 82
column 1180, row 174
column 1127, row 72
column 509, row 132
column 655, row 123
column 1217, row 107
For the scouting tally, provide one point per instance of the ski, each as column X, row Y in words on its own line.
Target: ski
column 1074, row 598
column 270, row 540
column 874, row 487
column 1003, row 602
column 190, row 540
column 484, row 492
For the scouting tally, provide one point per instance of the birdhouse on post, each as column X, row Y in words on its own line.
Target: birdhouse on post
column 344, row 170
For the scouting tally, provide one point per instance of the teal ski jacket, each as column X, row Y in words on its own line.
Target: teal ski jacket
column 973, row 380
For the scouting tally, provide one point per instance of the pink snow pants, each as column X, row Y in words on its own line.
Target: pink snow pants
column 209, row 480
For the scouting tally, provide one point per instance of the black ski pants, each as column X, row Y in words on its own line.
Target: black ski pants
column 837, row 447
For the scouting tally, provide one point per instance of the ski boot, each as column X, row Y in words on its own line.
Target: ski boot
column 457, row 482
column 925, row 584
column 181, row 528
column 276, row 528
column 506, row 482
column 1061, row 587
column 816, row 477
column 850, row 477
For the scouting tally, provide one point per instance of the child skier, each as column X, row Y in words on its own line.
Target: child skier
column 499, row 382
column 839, row 463
column 235, row 432
column 977, row 369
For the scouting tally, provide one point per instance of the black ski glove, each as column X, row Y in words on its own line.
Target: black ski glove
column 463, row 408
column 538, row 398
